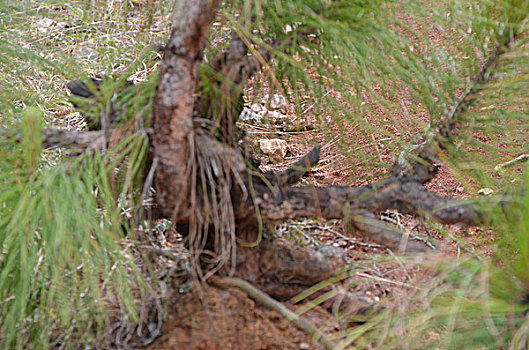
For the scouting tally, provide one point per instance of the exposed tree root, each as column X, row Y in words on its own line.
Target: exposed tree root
column 286, row 270
column 360, row 207
column 278, row 266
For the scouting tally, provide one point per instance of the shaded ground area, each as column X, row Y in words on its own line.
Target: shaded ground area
column 228, row 319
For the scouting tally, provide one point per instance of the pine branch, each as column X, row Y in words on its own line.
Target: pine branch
column 53, row 137
column 423, row 168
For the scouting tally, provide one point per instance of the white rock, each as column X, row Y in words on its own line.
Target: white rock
column 486, row 191
column 44, row 24
column 278, row 101
column 258, row 108
column 247, row 115
column 86, row 53
column 275, row 148
column 276, row 115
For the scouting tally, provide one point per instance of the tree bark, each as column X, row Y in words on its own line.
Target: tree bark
column 172, row 144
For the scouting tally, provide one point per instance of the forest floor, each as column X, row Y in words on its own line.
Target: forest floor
column 230, row 319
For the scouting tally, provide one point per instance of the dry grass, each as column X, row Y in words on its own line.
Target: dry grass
column 78, row 39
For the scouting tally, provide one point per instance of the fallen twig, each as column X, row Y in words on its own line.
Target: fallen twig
column 511, row 162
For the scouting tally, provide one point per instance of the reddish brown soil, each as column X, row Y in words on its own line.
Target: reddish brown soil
column 228, row 319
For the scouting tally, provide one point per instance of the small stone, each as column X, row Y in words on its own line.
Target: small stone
column 248, row 114
column 278, row 101
column 276, row 148
column 44, row 24
column 275, row 115
column 304, row 346
column 486, row 191
column 257, row 108
column 86, row 53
